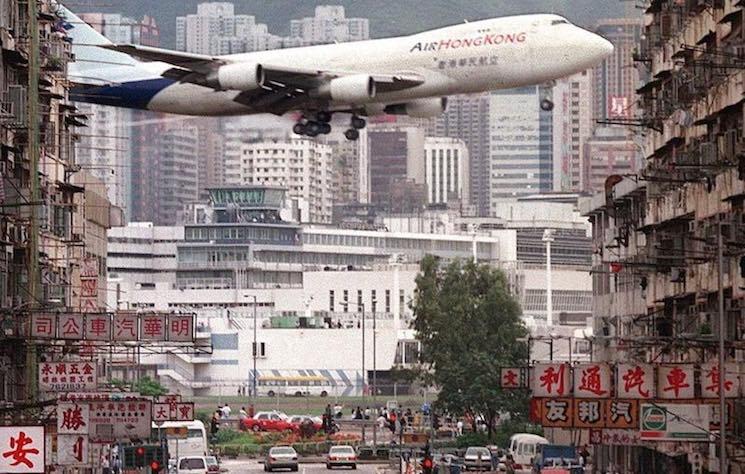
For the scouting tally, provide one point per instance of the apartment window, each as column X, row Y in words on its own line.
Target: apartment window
column 359, row 299
column 401, row 301
column 387, row 301
column 331, row 300
column 373, row 300
column 262, row 349
column 345, row 302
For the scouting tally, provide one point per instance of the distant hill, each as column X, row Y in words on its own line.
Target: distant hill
column 387, row 17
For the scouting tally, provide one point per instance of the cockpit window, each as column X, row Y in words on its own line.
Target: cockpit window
column 559, row 22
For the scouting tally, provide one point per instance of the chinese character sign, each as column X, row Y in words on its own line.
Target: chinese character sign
column 550, row 380
column 588, row 413
column 72, row 450
column 67, row 376
column 116, row 420
column 635, row 381
column 125, row 326
column 675, row 382
column 618, row 106
column 181, row 327
column 43, row 325
column 71, row 326
column 89, row 285
column 98, row 327
column 22, row 449
column 557, row 412
column 622, row 414
column 73, row 418
column 592, row 381
column 710, row 375
column 179, row 411
column 512, row 377
column 153, row 327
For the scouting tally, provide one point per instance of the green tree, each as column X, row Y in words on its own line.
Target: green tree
column 469, row 325
column 149, row 387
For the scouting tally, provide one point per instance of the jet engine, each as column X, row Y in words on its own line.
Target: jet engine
column 420, row 108
column 354, row 89
column 237, row 76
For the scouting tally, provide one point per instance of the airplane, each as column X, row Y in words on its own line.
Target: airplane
column 406, row 75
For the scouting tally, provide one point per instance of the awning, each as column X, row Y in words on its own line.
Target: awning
column 63, row 186
column 648, row 87
column 14, row 57
column 706, row 38
column 731, row 16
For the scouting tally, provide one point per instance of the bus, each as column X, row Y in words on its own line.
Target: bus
column 185, row 438
column 293, row 385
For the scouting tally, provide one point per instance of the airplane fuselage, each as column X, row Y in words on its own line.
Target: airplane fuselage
column 465, row 58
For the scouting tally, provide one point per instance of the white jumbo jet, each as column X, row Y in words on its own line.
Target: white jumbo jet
column 410, row 75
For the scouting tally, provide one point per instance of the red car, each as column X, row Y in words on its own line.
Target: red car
column 298, row 420
column 268, row 421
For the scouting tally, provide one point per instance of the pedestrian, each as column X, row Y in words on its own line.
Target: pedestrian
column 251, row 411
column 459, row 427
column 105, row 466
column 509, row 464
column 226, row 411
column 215, row 422
column 584, row 455
column 367, row 413
column 358, row 414
column 243, row 414
column 117, row 465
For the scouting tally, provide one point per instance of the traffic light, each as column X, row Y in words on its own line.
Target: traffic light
column 140, row 456
column 155, row 466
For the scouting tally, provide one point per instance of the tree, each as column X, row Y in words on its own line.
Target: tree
column 149, row 387
column 469, row 325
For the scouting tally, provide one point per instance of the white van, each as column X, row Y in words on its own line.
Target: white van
column 185, row 438
column 523, row 448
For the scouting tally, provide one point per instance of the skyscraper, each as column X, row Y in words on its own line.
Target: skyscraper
column 572, row 127
column 616, row 78
column 446, row 170
column 467, row 118
column 521, row 140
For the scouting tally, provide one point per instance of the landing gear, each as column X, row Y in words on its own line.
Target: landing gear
column 358, row 123
column 352, row 134
column 547, row 105
column 311, row 128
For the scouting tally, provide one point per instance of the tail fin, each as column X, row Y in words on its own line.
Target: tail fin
column 90, row 60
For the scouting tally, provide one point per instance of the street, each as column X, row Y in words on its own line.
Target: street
column 251, row 465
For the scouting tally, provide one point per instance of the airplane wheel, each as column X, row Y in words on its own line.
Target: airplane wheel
column 313, row 129
column 325, row 128
column 547, row 105
column 323, row 116
column 299, row 129
column 352, row 134
column 358, row 123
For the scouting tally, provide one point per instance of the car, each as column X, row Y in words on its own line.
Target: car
column 281, row 457
column 340, row 456
column 477, row 458
column 212, row 464
column 298, row 420
column 192, row 465
column 268, row 421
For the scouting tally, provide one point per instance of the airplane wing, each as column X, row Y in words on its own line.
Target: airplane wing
column 284, row 87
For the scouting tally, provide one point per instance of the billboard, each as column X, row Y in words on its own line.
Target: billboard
column 674, row 422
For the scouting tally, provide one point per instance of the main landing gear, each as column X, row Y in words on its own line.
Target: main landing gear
column 319, row 125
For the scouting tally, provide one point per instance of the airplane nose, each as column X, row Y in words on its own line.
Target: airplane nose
column 601, row 47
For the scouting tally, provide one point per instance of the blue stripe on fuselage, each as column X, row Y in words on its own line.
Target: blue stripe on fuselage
column 133, row 95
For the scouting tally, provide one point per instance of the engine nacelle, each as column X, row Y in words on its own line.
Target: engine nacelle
column 355, row 89
column 420, row 108
column 237, row 76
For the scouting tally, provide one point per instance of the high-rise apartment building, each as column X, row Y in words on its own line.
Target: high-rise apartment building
column 300, row 165
column 349, row 168
column 446, row 170
column 572, row 127
column 610, row 151
column 329, row 25
column 216, row 29
column 177, row 170
column 521, row 143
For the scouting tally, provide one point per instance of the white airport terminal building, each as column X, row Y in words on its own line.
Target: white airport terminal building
column 308, row 286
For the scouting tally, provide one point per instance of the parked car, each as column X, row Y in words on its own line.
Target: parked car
column 192, row 465
column 268, row 421
column 281, row 457
column 340, row 456
column 477, row 459
column 212, row 464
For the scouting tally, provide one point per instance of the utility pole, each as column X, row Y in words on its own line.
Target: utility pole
column 363, row 351
column 548, row 237
column 255, row 355
column 375, row 373
column 722, row 335
column 34, row 280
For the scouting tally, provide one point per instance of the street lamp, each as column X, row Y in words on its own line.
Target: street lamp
column 548, row 237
